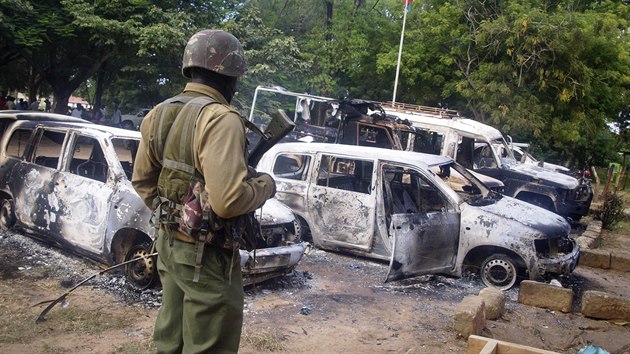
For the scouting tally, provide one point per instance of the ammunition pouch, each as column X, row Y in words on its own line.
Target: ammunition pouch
column 203, row 224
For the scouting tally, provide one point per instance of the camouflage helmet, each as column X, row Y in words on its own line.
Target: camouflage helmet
column 214, row 50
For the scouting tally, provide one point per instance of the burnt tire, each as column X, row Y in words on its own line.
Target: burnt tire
column 7, row 214
column 141, row 274
column 498, row 271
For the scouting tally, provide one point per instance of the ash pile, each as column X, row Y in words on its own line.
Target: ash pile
column 25, row 258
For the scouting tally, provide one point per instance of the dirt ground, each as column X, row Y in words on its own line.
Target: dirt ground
column 330, row 304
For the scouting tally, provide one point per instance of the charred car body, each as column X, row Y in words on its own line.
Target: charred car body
column 475, row 145
column 424, row 213
column 435, row 131
column 67, row 182
column 351, row 122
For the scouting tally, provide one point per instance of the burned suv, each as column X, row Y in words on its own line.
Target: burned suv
column 423, row 213
column 67, row 182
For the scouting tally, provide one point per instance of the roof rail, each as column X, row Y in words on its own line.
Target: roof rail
column 412, row 108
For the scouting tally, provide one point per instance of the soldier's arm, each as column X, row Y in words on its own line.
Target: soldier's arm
column 146, row 168
column 221, row 143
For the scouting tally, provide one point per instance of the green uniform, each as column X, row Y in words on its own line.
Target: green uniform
column 203, row 316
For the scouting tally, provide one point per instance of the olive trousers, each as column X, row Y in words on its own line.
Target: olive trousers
column 202, row 317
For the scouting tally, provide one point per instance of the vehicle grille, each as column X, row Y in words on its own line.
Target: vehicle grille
column 547, row 248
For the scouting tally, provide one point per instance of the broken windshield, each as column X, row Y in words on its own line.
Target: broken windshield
column 464, row 183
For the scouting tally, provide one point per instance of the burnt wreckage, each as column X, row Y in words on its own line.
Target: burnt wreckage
column 66, row 182
column 433, row 131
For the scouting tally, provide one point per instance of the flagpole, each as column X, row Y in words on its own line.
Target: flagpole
column 402, row 36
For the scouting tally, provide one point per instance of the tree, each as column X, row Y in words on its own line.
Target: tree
column 66, row 42
column 547, row 71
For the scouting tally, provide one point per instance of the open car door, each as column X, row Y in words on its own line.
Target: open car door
column 423, row 221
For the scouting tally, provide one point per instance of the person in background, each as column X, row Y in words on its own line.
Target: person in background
column 47, row 105
column 21, row 105
column 77, row 111
column 11, row 102
column 34, row 105
column 117, row 117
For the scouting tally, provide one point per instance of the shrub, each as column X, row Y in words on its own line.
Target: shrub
column 612, row 210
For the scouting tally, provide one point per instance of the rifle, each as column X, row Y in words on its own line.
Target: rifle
column 278, row 128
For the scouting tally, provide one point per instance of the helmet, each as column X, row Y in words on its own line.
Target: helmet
column 215, row 50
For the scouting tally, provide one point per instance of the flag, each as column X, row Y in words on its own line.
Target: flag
column 408, row 5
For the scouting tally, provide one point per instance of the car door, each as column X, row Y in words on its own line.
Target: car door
column 290, row 171
column 32, row 180
column 341, row 203
column 423, row 220
column 83, row 191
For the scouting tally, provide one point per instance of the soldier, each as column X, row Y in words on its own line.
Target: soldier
column 191, row 169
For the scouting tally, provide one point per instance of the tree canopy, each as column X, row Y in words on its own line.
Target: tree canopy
column 553, row 73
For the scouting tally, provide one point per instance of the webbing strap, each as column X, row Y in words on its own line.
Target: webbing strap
column 176, row 165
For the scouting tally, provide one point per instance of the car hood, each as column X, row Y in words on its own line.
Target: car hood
column 512, row 214
column 274, row 212
column 544, row 175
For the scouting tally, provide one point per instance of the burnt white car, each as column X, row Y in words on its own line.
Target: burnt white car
column 424, row 213
column 67, row 182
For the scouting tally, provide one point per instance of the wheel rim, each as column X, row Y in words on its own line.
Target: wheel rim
column 142, row 272
column 499, row 273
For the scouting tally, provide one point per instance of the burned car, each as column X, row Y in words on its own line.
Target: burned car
column 67, row 182
column 423, row 213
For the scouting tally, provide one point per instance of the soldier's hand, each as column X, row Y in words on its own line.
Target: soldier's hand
column 273, row 183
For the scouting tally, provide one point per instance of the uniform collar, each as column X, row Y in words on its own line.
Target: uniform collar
column 206, row 90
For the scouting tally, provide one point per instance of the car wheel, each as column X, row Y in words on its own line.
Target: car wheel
column 498, row 271
column 141, row 274
column 128, row 125
column 7, row 214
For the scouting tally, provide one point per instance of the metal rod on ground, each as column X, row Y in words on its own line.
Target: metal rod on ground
column 42, row 315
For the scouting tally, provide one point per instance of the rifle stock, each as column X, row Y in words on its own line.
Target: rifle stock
column 278, row 128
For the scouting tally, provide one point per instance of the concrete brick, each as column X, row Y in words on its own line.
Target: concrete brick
column 590, row 234
column 470, row 316
column 620, row 261
column 595, row 225
column 587, row 242
column 494, row 301
column 595, row 258
column 605, row 306
column 547, row 296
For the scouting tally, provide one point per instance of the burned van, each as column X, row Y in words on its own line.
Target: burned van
column 67, row 183
column 479, row 147
column 423, row 213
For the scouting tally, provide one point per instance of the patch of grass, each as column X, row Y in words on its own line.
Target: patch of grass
column 623, row 226
column 47, row 349
column 139, row 347
column 263, row 341
column 18, row 325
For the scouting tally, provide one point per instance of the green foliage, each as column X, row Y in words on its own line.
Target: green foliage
column 612, row 210
column 553, row 74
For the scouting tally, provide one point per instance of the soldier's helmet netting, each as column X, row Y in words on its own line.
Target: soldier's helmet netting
column 214, row 50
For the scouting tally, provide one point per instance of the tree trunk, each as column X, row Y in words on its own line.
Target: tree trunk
column 61, row 95
column 100, row 87
column 34, row 81
column 329, row 19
